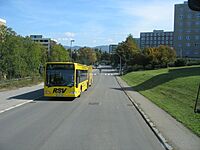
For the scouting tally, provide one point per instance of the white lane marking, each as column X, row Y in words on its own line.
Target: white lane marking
column 12, row 107
column 15, row 106
column 105, row 74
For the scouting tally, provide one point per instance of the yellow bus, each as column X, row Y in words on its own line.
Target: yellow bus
column 66, row 79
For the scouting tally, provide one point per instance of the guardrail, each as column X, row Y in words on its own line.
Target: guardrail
column 5, row 82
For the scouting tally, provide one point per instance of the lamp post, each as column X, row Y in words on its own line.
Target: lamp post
column 71, row 41
column 120, row 59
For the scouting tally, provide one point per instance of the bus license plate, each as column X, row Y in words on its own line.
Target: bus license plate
column 59, row 94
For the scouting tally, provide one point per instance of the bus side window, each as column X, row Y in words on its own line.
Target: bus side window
column 77, row 78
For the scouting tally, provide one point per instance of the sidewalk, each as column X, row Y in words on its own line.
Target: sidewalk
column 178, row 136
column 13, row 98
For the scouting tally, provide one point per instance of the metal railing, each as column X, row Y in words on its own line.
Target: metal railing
column 5, row 82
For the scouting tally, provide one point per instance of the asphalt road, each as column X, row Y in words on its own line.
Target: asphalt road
column 101, row 119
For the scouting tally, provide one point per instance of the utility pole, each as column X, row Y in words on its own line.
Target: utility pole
column 120, row 60
column 71, row 41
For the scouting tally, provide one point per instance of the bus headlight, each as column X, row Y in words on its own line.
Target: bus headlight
column 47, row 92
column 72, row 92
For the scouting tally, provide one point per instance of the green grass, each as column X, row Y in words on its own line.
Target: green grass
column 172, row 89
column 14, row 84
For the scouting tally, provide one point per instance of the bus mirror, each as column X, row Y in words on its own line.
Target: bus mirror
column 41, row 70
column 194, row 5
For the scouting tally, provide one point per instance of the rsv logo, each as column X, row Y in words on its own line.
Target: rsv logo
column 59, row 90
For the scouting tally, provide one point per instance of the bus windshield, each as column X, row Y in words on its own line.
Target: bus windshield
column 60, row 75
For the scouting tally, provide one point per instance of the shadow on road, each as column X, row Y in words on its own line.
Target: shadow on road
column 124, row 88
column 28, row 96
column 53, row 99
column 37, row 95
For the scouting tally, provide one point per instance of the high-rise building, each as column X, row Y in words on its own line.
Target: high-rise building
column 112, row 48
column 186, row 31
column 2, row 22
column 156, row 38
column 46, row 42
column 137, row 40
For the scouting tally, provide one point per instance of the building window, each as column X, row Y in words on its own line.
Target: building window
column 179, row 37
column 187, row 37
column 180, row 24
column 198, row 15
column 197, row 30
column 180, row 30
column 189, row 24
column 181, row 16
column 197, row 23
column 197, row 37
column 189, row 16
column 197, row 44
column 179, row 45
column 188, row 31
column 188, row 44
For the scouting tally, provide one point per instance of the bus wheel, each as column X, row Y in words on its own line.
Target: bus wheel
column 87, row 86
column 80, row 91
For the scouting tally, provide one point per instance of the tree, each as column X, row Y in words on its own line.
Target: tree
column 87, row 56
column 19, row 56
column 59, row 53
column 128, row 50
column 162, row 55
column 98, row 55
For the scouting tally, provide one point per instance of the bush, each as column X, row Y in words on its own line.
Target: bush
column 134, row 68
column 193, row 62
column 180, row 62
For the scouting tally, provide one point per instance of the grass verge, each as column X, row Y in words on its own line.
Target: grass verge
column 14, row 84
column 172, row 89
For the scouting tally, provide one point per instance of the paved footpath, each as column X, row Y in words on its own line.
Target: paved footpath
column 9, row 99
column 176, row 134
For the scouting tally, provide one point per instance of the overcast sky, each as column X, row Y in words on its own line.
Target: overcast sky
column 88, row 22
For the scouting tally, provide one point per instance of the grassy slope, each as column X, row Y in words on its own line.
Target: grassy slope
column 172, row 89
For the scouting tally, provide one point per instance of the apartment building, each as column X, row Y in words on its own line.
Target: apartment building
column 156, row 38
column 186, row 31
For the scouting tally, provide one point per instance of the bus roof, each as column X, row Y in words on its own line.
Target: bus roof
column 76, row 64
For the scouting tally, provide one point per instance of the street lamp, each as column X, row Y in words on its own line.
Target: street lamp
column 71, row 46
column 120, row 59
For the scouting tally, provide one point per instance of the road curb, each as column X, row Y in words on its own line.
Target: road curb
column 152, row 126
